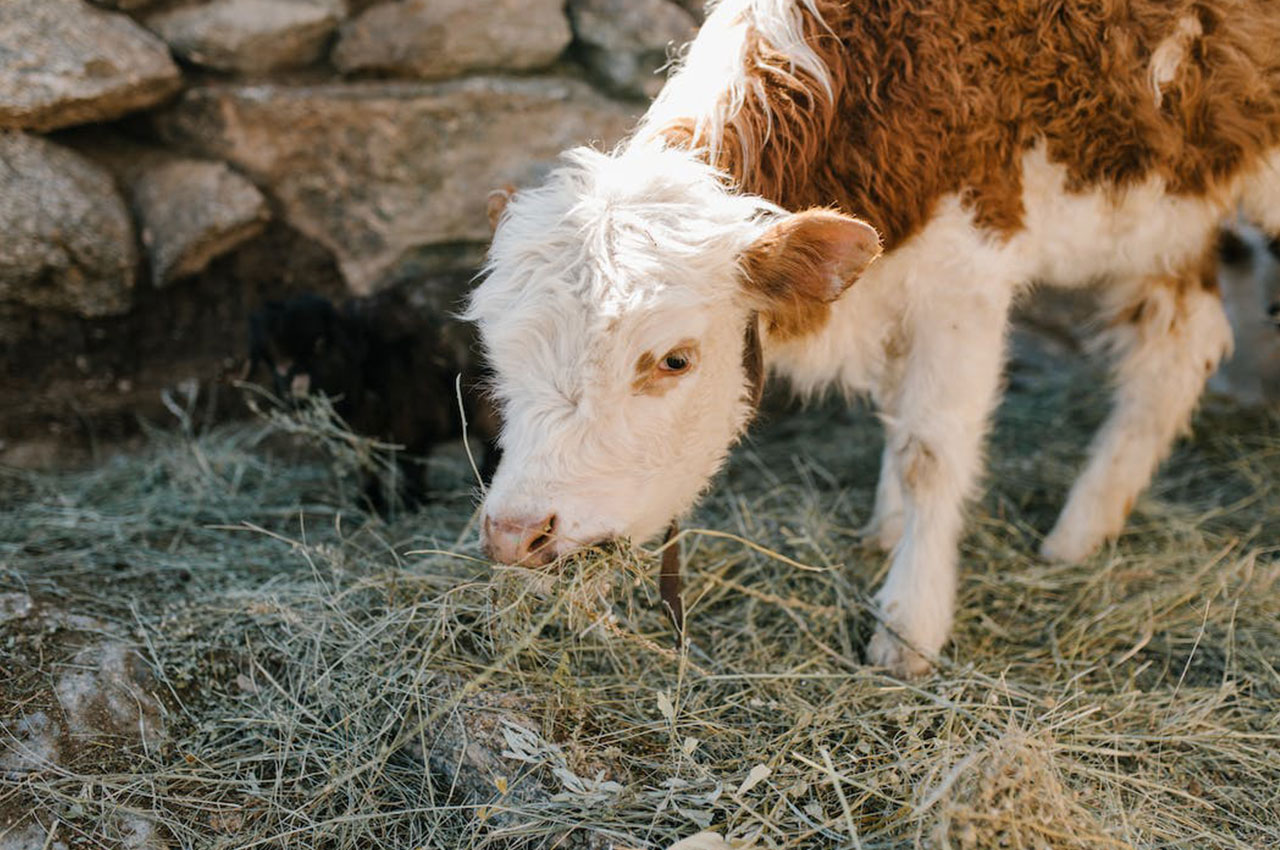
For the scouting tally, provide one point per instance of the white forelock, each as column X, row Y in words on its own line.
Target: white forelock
column 712, row 82
column 607, row 234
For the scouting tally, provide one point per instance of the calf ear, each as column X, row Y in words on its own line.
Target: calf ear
column 498, row 200
column 797, row 267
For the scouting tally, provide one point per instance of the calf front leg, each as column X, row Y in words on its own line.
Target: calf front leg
column 885, row 526
column 1168, row 334
column 940, row 411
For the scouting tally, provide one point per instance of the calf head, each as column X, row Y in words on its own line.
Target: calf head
column 620, row 312
column 307, row 347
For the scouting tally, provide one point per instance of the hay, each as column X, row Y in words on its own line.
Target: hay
column 336, row 682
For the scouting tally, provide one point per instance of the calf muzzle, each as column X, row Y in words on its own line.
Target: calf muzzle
column 520, row 541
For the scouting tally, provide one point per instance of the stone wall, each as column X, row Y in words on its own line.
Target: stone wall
column 167, row 165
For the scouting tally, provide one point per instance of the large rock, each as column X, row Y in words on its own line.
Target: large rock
column 249, row 36
column 377, row 172
column 63, row 62
column 435, row 39
column 626, row 42
column 192, row 211
column 189, row 211
column 68, row 241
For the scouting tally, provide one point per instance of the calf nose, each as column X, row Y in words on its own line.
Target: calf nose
column 520, row 540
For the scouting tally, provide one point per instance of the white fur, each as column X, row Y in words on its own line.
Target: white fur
column 1168, row 55
column 629, row 253
column 712, row 84
column 612, row 258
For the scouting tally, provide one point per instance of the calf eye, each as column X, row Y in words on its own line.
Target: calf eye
column 676, row 362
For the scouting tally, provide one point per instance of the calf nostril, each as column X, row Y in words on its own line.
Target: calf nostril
column 540, row 538
column 1274, row 310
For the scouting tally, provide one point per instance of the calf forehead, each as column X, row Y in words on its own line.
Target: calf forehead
column 612, row 231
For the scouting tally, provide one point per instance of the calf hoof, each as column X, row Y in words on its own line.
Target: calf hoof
column 887, row 651
column 1069, row 547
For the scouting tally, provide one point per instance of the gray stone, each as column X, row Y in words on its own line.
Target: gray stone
column 14, row 606
column 63, row 62
column 107, row 691
column 33, row 743
column 249, row 36
column 104, row 693
column 626, row 42
column 69, row 243
column 192, row 211
column 435, row 39
column 29, row 836
column 189, row 211
column 378, row 172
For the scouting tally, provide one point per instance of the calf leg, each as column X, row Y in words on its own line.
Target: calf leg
column 886, row 517
column 885, row 525
column 1168, row 335
column 950, row 378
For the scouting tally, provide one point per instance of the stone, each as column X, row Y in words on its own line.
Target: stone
column 379, row 172
column 29, row 836
column 69, row 243
column 105, row 693
column 248, row 36
column 64, row 62
column 189, row 211
column 436, row 39
column 626, row 42
column 192, row 211
column 14, row 606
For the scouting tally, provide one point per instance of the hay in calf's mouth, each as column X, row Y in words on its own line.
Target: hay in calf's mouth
column 334, row 681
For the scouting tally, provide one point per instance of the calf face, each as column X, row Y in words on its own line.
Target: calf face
column 619, row 313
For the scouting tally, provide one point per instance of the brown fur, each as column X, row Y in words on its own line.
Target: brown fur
column 753, row 361
column 941, row 96
column 920, row 464
column 496, row 204
column 1201, row 275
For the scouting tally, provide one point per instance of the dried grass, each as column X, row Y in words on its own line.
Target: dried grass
column 311, row 658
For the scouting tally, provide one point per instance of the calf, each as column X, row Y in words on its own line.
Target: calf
column 389, row 370
column 983, row 145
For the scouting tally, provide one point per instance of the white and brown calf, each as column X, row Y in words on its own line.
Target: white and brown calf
column 990, row 144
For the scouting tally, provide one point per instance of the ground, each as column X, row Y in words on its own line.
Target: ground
column 277, row 669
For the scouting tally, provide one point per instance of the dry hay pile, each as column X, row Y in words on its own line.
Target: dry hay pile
column 329, row 681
